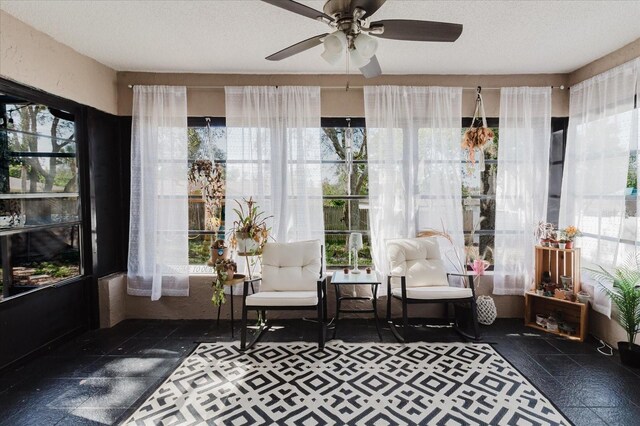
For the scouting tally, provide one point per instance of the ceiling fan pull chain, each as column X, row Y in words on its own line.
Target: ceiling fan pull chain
column 347, row 62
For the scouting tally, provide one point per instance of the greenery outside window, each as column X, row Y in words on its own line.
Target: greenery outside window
column 345, row 189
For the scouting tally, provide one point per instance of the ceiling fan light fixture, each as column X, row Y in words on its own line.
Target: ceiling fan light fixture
column 366, row 45
column 335, row 42
column 356, row 59
column 331, row 57
column 334, row 47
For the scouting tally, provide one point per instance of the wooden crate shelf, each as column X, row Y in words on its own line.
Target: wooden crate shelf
column 558, row 262
column 573, row 313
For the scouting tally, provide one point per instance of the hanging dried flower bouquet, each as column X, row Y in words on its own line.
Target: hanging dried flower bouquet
column 209, row 178
column 477, row 137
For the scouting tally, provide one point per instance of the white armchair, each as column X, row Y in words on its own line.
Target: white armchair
column 291, row 280
column 417, row 275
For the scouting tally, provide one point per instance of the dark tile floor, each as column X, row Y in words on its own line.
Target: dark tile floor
column 101, row 376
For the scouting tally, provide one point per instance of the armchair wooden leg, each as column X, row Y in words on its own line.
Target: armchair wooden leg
column 320, row 325
column 474, row 320
column 405, row 317
column 474, row 316
column 388, row 307
column 324, row 307
column 243, row 331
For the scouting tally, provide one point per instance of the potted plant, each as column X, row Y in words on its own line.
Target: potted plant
column 569, row 234
column 225, row 271
column 250, row 232
column 562, row 243
column 625, row 295
column 544, row 233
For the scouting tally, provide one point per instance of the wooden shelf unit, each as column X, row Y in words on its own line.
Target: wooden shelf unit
column 557, row 262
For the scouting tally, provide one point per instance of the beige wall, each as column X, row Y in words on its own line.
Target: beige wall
column 613, row 59
column 116, row 305
column 32, row 58
column 336, row 101
column 606, row 329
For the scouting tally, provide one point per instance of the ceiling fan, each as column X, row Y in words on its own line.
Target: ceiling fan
column 351, row 20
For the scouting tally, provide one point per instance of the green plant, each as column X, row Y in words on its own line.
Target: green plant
column 54, row 270
column 625, row 293
column 251, row 223
column 225, row 268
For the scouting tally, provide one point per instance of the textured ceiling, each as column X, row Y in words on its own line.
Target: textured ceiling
column 499, row 37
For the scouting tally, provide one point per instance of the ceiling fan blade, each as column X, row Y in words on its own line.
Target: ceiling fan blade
column 298, row 8
column 406, row 29
column 370, row 6
column 372, row 69
column 297, row 48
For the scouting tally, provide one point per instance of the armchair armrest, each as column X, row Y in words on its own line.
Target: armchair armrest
column 469, row 278
column 403, row 284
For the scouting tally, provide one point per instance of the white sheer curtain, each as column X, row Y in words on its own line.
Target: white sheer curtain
column 158, row 239
column 413, row 137
column 273, row 155
column 522, row 184
column 603, row 128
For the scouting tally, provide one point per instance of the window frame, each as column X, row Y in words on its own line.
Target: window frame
column 344, row 122
column 87, row 243
column 201, row 122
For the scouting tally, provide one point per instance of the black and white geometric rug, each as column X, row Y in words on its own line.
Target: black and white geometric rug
column 347, row 383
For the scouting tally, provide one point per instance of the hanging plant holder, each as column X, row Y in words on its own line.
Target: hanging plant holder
column 476, row 138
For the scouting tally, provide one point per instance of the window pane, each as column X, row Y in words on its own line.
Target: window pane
column 338, row 254
column 38, row 119
column 199, row 249
column 335, row 215
column 207, row 144
column 334, row 179
column 344, row 174
column 42, row 258
column 478, row 199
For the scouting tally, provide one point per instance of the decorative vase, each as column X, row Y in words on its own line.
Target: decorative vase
column 487, row 311
column 569, row 245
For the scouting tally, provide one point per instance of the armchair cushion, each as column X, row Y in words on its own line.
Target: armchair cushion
column 291, row 266
column 283, row 298
column 418, row 259
column 434, row 293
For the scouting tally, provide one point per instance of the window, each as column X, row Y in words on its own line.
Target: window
column 479, row 197
column 39, row 200
column 207, row 141
column 345, row 189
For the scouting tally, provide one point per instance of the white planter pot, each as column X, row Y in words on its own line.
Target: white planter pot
column 248, row 245
column 487, row 311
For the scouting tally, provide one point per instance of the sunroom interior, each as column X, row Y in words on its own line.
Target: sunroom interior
column 417, row 213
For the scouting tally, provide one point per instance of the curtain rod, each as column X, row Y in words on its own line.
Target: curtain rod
column 561, row 87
